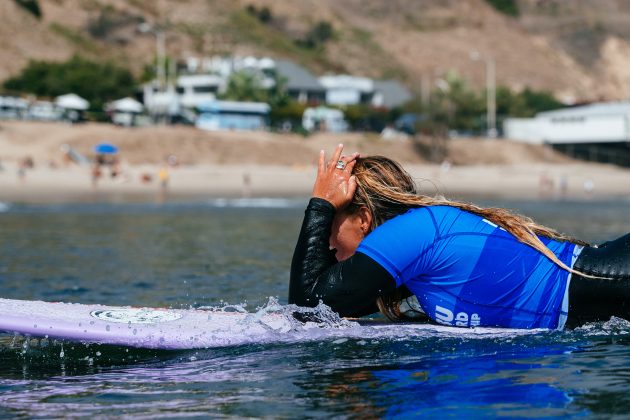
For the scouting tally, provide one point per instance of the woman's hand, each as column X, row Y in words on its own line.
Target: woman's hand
column 335, row 182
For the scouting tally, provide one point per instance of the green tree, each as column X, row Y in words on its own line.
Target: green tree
column 96, row 82
column 291, row 112
column 455, row 105
column 245, row 86
column 538, row 101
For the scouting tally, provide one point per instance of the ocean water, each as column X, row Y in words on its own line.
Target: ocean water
column 237, row 253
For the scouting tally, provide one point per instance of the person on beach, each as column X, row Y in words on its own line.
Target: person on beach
column 369, row 241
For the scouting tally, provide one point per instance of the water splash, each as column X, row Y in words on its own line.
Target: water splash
column 613, row 327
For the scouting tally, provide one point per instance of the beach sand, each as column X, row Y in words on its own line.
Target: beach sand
column 261, row 164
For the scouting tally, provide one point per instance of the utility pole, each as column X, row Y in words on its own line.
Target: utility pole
column 491, row 92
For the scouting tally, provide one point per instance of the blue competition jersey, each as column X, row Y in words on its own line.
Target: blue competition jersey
column 466, row 271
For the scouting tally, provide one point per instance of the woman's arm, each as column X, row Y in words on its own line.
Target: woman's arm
column 350, row 287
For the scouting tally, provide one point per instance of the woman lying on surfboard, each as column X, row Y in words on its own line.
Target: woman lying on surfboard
column 369, row 241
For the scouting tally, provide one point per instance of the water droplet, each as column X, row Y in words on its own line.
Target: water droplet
column 98, row 353
column 35, row 326
column 135, row 331
column 107, row 327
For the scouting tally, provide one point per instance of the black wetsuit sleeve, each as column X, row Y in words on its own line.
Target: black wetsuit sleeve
column 350, row 287
column 598, row 299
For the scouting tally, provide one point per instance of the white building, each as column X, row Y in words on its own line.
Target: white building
column 347, row 90
column 204, row 79
column 324, row 119
column 224, row 67
column 194, row 89
column 351, row 90
column 596, row 123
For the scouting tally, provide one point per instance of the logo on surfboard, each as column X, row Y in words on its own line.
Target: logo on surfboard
column 135, row 316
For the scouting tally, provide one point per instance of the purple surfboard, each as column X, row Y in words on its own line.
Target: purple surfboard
column 171, row 329
column 137, row 327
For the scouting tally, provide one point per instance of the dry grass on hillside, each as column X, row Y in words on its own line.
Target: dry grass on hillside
column 576, row 49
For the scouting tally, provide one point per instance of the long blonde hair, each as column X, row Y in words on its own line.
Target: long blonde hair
column 387, row 190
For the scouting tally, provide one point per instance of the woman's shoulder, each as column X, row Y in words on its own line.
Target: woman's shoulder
column 435, row 211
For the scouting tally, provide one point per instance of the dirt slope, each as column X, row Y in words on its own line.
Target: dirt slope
column 578, row 49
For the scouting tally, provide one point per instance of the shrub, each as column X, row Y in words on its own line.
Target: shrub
column 263, row 14
column 32, row 6
column 507, row 7
column 319, row 34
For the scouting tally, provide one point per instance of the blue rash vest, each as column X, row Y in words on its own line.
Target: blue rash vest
column 467, row 271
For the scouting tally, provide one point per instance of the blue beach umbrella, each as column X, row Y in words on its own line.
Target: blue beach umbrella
column 105, row 149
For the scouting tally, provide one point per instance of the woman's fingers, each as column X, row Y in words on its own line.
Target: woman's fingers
column 350, row 165
column 321, row 165
column 336, row 155
column 334, row 181
column 352, row 187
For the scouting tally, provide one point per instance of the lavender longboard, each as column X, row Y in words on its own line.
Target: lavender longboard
column 188, row 329
column 136, row 327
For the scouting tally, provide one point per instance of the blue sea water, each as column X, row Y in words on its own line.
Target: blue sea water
column 238, row 252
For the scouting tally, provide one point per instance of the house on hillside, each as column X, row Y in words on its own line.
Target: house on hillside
column 351, row 90
column 223, row 67
column 389, row 94
column 204, row 80
column 189, row 91
column 301, row 84
column 194, row 89
column 162, row 104
column 347, row 90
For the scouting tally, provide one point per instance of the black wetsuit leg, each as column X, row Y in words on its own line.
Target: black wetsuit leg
column 593, row 300
column 350, row 287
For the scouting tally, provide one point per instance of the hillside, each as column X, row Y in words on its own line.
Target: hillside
column 578, row 49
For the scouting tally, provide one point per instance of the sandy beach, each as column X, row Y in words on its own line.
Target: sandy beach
column 231, row 164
